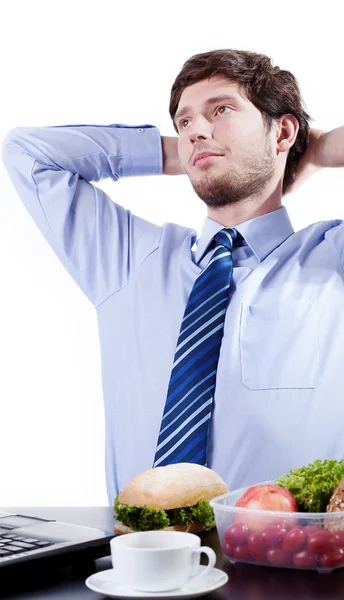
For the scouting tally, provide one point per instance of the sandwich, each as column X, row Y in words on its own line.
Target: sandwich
column 173, row 498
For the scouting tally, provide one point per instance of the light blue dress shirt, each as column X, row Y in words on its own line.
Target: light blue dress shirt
column 279, row 400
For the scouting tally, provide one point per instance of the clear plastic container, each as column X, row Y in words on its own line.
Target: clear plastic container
column 296, row 540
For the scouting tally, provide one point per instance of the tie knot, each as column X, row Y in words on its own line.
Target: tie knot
column 227, row 237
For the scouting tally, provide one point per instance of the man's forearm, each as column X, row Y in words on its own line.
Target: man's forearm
column 325, row 149
column 91, row 151
column 329, row 150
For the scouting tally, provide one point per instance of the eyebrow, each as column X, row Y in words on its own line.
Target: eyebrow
column 213, row 100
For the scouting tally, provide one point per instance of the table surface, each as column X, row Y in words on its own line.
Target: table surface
column 246, row 582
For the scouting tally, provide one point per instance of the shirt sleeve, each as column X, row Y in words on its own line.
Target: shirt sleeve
column 335, row 237
column 100, row 243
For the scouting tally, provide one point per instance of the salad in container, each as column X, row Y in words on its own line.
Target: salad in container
column 296, row 521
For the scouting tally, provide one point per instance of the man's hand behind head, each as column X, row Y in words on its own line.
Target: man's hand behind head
column 171, row 161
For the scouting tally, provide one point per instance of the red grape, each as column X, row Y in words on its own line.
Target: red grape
column 339, row 539
column 241, row 552
column 256, row 547
column 272, row 536
column 305, row 558
column 277, row 556
column 321, row 541
column 237, row 533
column 294, row 540
column 228, row 549
column 335, row 558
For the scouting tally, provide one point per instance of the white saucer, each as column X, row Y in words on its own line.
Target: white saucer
column 105, row 582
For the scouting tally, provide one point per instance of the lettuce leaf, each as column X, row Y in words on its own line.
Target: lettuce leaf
column 140, row 518
column 199, row 512
column 312, row 486
column 145, row 518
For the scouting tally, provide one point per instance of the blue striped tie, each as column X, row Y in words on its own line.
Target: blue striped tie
column 185, row 424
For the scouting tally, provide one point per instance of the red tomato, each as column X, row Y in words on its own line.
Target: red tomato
column 237, row 533
column 241, row 552
column 310, row 529
column 277, row 556
column 321, row 541
column 305, row 559
column 268, row 497
column 287, row 523
column 264, row 497
column 256, row 547
column 339, row 539
column 335, row 558
column 272, row 536
column 294, row 540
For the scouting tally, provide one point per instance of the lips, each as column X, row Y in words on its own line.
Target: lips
column 204, row 155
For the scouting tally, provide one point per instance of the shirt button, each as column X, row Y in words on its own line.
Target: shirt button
column 140, row 130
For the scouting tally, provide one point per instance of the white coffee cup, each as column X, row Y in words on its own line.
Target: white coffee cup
column 158, row 561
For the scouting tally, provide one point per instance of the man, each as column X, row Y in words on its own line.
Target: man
column 238, row 368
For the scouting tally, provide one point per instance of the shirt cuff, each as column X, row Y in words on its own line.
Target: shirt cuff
column 142, row 151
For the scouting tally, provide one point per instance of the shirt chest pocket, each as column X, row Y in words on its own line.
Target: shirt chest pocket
column 279, row 345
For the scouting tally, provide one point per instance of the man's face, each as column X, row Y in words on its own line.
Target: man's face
column 233, row 128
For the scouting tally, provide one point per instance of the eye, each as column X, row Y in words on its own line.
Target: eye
column 220, row 107
column 181, row 123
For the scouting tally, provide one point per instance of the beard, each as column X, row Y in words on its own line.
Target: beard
column 237, row 183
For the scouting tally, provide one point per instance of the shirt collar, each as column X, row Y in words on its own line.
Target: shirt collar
column 262, row 234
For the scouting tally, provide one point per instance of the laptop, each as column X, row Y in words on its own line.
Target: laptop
column 25, row 540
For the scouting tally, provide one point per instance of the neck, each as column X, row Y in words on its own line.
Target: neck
column 248, row 208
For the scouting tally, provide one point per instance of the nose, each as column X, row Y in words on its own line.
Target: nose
column 200, row 129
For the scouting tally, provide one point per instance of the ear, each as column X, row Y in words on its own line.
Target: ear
column 287, row 128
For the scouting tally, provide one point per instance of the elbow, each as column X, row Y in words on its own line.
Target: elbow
column 18, row 145
column 11, row 139
column 17, row 157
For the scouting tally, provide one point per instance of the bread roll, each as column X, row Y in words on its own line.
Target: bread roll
column 336, row 504
column 173, row 486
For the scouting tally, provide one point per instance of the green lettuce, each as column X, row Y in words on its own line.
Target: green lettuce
column 145, row 518
column 199, row 512
column 312, row 486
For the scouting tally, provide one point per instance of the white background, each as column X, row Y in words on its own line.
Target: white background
column 114, row 62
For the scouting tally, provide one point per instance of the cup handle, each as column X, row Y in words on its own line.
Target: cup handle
column 211, row 559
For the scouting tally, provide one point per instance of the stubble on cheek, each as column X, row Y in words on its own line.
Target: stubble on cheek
column 240, row 177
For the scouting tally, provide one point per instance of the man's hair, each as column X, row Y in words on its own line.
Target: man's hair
column 273, row 91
